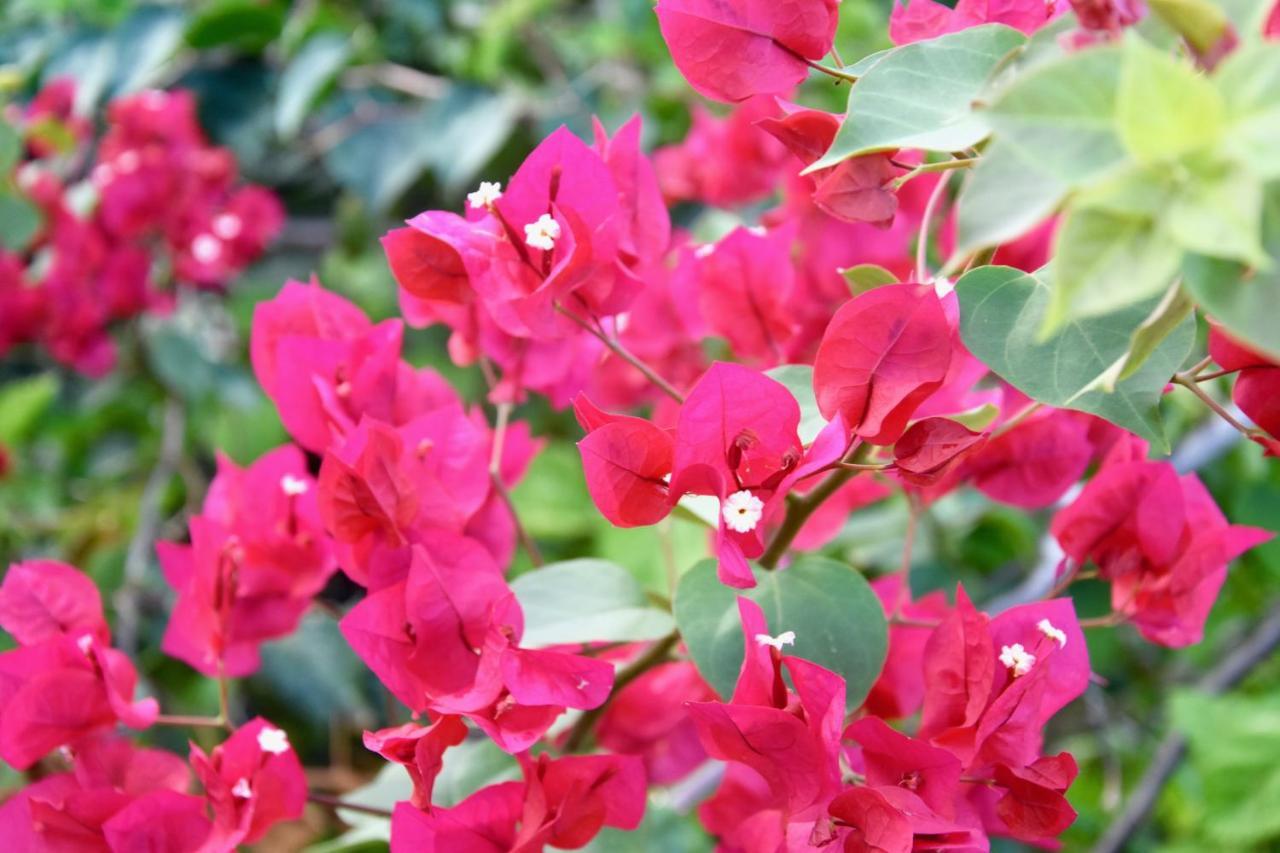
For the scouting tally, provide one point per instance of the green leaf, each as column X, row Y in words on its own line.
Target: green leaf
column 1105, row 261
column 1164, row 107
column 1235, row 748
column 1249, row 79
column 921, row 95
column 1246, row 302
column 22, row 402
column 1006, row 195
column 471, row 765
column 143, row 44
column 19, row 220
column 317, row 62
column 1220, row 215
column 1000, row 310
column 837, row 619
column 10, row 147
column 1201, row 22
column 584, row 601
column 248, row 25
column 1167, row 316
column 1061, row 116
column 866, row 277
column 663, row 828
column 799, row 381
column 552, row 499
column 863, row 65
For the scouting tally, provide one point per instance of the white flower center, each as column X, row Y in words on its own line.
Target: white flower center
column 489, row 192
column 85, row 643
column 742, row 511
column 242, row 789
column 293, row 486
column 273, row 740
column 227, row 226
column 1017, row 658
column 543, row 233
column 786, row 638
column 206, row 248
column 1056, row 634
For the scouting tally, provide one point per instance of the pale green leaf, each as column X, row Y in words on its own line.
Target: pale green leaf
column 799, row 381
column 1201, row 22
column 921, row 95
column 1061, row 116
column 317, row 62
column 1104, row 262
column 585, row 601
column 1220, row 215
column 1167, row 316
column 1246, row 301
column 1006, row 195
column 1166, row 109
column 864, row 277
column 1249, row 80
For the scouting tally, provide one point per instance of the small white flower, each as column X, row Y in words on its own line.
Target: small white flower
column 742, row 511
column 786, row 638
column 543, row 233
column 489, row 192
column 293, row 486
column 227, row 226
column 242, row 789
column 1017, row 658
column 274, row 741
column 1056, row 634
column 206, row 248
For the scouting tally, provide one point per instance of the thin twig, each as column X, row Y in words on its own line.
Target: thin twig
column 526, row 541
column 943, row 166
column 401, row 78
column 1018, row 418
column 1232, row 669
column 799, row 510
column 192, row 720
column 657, row 653
column 1108, row 621
column 336, row 803
column 922, row 245
column 1217, row 374
column 1189, row 382
column 138, row 555
column 615, row 346
column 832, row 72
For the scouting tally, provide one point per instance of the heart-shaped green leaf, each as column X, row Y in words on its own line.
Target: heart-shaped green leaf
column 837, row 620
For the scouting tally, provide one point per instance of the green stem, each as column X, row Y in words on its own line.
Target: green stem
column 657, row 653
column 799, row 510
column 943, row 166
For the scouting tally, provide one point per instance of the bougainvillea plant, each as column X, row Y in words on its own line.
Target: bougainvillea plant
column 99, row 228
column 986, row 275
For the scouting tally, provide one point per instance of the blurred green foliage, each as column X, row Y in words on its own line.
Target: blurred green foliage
column 361, row 114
